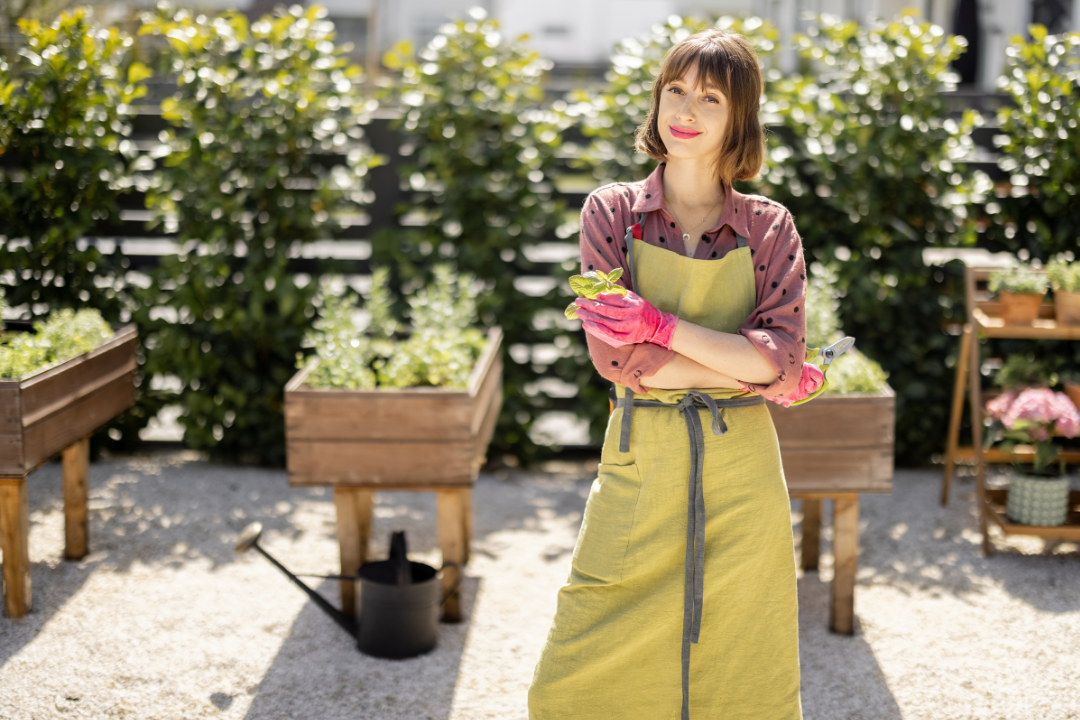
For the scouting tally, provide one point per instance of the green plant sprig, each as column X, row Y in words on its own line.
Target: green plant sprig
column 63, row 335
column 591, row 284
column 1022, row 280
column 1064, row 276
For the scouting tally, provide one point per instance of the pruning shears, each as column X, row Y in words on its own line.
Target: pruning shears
column 824, row 358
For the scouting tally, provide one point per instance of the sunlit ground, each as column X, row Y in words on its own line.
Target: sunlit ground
column 162, row 620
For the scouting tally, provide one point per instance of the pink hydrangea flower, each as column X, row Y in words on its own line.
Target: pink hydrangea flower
column 1001, row 404
column 1040, row 406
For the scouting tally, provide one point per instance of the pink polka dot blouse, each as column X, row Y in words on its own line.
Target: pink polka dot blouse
column 777, row 326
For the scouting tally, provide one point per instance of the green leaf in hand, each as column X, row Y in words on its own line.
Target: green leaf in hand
column 594, row 283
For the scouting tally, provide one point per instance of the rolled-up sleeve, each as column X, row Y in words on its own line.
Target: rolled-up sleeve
column 777, row 326
column 602, row 249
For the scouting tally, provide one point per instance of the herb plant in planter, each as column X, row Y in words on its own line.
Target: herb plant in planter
column 1065, row 280
column 1020, row 290
column 405, row 407
column 1039, row 493
column 58, row 383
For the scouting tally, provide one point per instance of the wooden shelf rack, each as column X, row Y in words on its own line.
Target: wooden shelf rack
column 985, row 319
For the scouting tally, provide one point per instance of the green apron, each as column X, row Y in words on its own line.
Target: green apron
column 681, row 601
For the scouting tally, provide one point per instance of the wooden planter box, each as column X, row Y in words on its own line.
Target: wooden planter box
column 838, row 443
column 360, row 441
column 45, row 412
column 401, row 438
column 834, row 448
column 50, row 411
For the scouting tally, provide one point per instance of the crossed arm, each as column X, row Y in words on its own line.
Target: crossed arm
column 709, row 359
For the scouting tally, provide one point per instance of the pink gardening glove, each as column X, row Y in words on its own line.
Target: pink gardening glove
column 626, row 319
column 812, row 378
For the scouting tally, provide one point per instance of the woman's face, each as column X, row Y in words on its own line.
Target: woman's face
column 692, row 121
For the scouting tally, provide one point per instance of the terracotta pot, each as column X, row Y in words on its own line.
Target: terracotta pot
column 1067, row 307
column 1073, row 391
column 1019, row 308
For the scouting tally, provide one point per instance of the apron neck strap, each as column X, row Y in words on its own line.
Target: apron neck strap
column 628, row 238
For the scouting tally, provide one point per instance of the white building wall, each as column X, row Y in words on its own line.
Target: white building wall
column 580, row 31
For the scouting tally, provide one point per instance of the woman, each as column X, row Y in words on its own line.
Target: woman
column 681, row 600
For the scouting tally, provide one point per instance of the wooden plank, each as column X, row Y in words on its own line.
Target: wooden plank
column 45, row 392
column 10, row 407
column 836, row 422
column 14, row 532
column 811, row 533
column 382, row 462
column 339, row 416
column 843, row 470
column 353, row 508
column 76, row 479
column 11, row 454
column 491, row 385
column 451, row 511
column 487, row 430
column 846, row 561
column 1042, row 329
column 491, row 354
column 993, row 455
column 51, row 434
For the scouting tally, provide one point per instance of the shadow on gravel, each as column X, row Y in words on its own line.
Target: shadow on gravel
column 51, row 587
column 319, row 673
column 910, row 542
column 841, row 678
column 165, row 509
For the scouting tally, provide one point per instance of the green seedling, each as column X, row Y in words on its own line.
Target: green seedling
column 594, row 283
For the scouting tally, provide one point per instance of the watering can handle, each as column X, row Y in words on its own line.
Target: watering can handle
column 399, row 556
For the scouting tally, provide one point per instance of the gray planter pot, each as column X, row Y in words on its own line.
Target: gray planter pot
column 1038, row 501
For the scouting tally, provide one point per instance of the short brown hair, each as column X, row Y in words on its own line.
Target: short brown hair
column 725, row 60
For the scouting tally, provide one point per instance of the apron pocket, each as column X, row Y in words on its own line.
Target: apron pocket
column 605, row 529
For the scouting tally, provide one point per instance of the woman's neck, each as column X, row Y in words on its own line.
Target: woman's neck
column 691, row 183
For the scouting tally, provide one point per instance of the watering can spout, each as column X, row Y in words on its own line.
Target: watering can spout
column 249, row 539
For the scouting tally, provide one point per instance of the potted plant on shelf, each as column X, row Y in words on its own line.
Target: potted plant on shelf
column 1038, row 494
column 1021, row 290
column 1065, row 280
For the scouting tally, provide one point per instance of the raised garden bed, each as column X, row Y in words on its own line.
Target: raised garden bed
column 42, row 414
column 424, row 438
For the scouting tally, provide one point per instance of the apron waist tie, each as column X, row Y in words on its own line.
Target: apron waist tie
column 694, row 585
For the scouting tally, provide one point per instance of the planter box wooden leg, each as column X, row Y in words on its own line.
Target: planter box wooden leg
column 467, row 516
column 14, row 531
column 354, row 531
column 811, row 533
column 846, row 561
column 452, row 508
column 76, row 476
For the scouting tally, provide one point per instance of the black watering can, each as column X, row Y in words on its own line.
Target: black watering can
column 399, row 600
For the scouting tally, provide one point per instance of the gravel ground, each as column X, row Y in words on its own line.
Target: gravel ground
column 162, row 620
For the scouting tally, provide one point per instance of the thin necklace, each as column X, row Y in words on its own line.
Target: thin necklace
column 686, row 235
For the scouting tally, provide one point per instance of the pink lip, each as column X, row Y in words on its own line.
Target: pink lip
column 683, row 133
